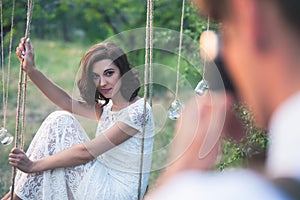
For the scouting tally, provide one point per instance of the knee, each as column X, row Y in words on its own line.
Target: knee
column 60, row 117
column 62, row 126
column 59, row 113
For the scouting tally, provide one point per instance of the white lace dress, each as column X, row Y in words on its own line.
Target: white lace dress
column 113, row 175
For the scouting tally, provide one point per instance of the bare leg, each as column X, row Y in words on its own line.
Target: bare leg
column 7, row 197
column 59, row 131
column 16, row 197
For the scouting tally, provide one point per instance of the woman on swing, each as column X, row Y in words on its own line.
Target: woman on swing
column 61, row 162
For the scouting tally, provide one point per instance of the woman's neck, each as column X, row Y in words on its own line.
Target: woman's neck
column 120, row 103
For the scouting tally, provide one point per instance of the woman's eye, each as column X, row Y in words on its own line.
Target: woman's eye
column 109, row 73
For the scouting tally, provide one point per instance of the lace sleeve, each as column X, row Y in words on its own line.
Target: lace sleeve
column 134, row 115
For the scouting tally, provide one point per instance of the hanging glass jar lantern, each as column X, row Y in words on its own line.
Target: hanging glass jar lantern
column 175, row 110
column 5, row 137
column 201, row 87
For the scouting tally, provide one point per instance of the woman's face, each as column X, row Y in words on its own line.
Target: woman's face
column 106, row 76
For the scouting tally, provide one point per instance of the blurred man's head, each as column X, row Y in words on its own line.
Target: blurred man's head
column 260, row 48
column 221, row 10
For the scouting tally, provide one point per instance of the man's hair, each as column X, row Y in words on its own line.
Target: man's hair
column 220, row 9
column 215, row 9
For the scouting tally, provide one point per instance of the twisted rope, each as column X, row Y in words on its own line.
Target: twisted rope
column 22, row 87
column 179, row 47
column 2, row 64
column 148, row 67
column 9, row 60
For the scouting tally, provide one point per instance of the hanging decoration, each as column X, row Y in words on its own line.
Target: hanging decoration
column 175, row 109
column 148, row 78
column 202, row 86
column 5, row 137
column 176, row 106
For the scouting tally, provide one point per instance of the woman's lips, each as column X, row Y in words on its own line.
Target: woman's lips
column 105, row 91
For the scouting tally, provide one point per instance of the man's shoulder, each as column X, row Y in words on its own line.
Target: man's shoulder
column 236, row 184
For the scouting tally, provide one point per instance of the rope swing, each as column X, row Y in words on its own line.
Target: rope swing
column 148, row 78
column 21, row 99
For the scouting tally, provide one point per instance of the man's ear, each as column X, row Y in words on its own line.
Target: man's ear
column 252, row 19
column 261, row 29
column 233, row 127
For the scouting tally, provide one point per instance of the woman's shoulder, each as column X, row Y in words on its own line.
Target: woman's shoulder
column 136, row 114
column 139, row 104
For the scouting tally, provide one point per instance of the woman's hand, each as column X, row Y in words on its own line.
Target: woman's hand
column 25, row 53
column 19, row 159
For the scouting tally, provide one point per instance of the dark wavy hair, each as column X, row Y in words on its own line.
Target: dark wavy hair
column 130, row 84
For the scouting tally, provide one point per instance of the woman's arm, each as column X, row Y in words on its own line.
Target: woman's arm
column 75, row 155
column 117, row 134
column 72, row 156
column 61, row 98
column 54, row 93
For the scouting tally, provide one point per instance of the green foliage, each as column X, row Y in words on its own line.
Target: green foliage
column 252, row 147
column 94, row 20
